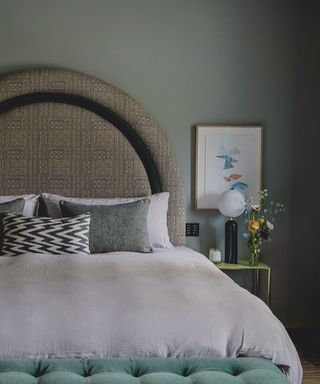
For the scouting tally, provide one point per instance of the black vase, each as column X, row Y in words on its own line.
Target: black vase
column 231, row 242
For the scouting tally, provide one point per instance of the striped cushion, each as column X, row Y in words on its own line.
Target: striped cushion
column 45, row 235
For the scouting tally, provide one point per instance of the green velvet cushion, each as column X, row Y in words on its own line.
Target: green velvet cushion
column 121, row 227
column 144, row 371
column 13, row 206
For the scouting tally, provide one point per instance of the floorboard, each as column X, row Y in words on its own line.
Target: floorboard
column 311, row 368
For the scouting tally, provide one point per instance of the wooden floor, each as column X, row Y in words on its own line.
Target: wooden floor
column 311, row 369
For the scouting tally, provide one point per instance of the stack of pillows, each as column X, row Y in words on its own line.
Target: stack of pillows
column 79, row 225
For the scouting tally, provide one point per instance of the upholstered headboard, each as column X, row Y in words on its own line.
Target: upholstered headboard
column 69, row 133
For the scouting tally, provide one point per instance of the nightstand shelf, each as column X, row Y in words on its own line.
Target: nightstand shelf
column 244, row 265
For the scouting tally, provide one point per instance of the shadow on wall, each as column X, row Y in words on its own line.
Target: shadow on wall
column 304, row 300
column 211, row 221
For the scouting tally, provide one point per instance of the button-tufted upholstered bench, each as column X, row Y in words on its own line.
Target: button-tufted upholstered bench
column 144, row 371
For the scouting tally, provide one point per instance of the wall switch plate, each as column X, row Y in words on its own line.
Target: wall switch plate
column 192, row 229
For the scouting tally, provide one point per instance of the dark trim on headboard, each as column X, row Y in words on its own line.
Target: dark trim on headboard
column 118, row 122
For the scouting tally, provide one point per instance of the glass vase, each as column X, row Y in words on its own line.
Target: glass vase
column 254, row 258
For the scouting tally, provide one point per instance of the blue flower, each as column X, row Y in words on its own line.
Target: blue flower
column 245, row 235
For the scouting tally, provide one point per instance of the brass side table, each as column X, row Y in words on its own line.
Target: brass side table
column 244, row 265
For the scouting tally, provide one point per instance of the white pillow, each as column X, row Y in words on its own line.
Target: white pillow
column 157, row 215
column 30, row 204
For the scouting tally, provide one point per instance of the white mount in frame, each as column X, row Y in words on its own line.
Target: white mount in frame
column 227, row 157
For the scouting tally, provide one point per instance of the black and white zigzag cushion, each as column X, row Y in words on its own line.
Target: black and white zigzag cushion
column 45, row 235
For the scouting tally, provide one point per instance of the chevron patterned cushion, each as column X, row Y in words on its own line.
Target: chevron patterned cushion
column 45, row 235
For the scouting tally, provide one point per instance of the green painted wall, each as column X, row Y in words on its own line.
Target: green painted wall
column 186, row 61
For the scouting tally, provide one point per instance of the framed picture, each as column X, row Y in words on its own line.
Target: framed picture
column 227, row 157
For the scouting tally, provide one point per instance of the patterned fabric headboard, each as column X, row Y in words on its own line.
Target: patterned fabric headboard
column 68, row 150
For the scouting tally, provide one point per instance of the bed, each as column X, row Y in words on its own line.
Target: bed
column 128, row 315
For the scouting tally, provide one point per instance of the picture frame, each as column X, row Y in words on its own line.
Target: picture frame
column 227, row 156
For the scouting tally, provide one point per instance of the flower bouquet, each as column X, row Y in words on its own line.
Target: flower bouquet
column 259, row 223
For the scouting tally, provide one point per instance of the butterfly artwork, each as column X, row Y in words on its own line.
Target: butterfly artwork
column 228, row 157
column 232, row 177
column 229, row 162
column 239, row 185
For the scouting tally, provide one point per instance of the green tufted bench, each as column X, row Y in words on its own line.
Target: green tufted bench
column 145, row 371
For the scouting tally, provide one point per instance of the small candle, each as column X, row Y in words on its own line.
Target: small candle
column 215, row 255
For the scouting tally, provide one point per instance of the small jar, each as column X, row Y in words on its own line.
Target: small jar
column 215, row 255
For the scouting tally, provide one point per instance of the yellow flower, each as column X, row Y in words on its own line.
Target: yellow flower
column 253, row 226
column 261, row 221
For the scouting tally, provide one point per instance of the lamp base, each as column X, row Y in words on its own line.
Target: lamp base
column 231, row 242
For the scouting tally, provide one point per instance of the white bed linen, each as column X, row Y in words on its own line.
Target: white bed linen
column 173, row 302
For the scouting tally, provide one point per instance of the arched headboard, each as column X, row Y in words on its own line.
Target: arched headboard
column 70, row 133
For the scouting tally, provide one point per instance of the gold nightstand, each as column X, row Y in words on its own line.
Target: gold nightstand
column 244, row 265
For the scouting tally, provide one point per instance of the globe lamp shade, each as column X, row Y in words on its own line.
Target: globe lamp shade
column 231, row 203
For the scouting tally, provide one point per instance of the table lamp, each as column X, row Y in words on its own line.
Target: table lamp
column 231, row 204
